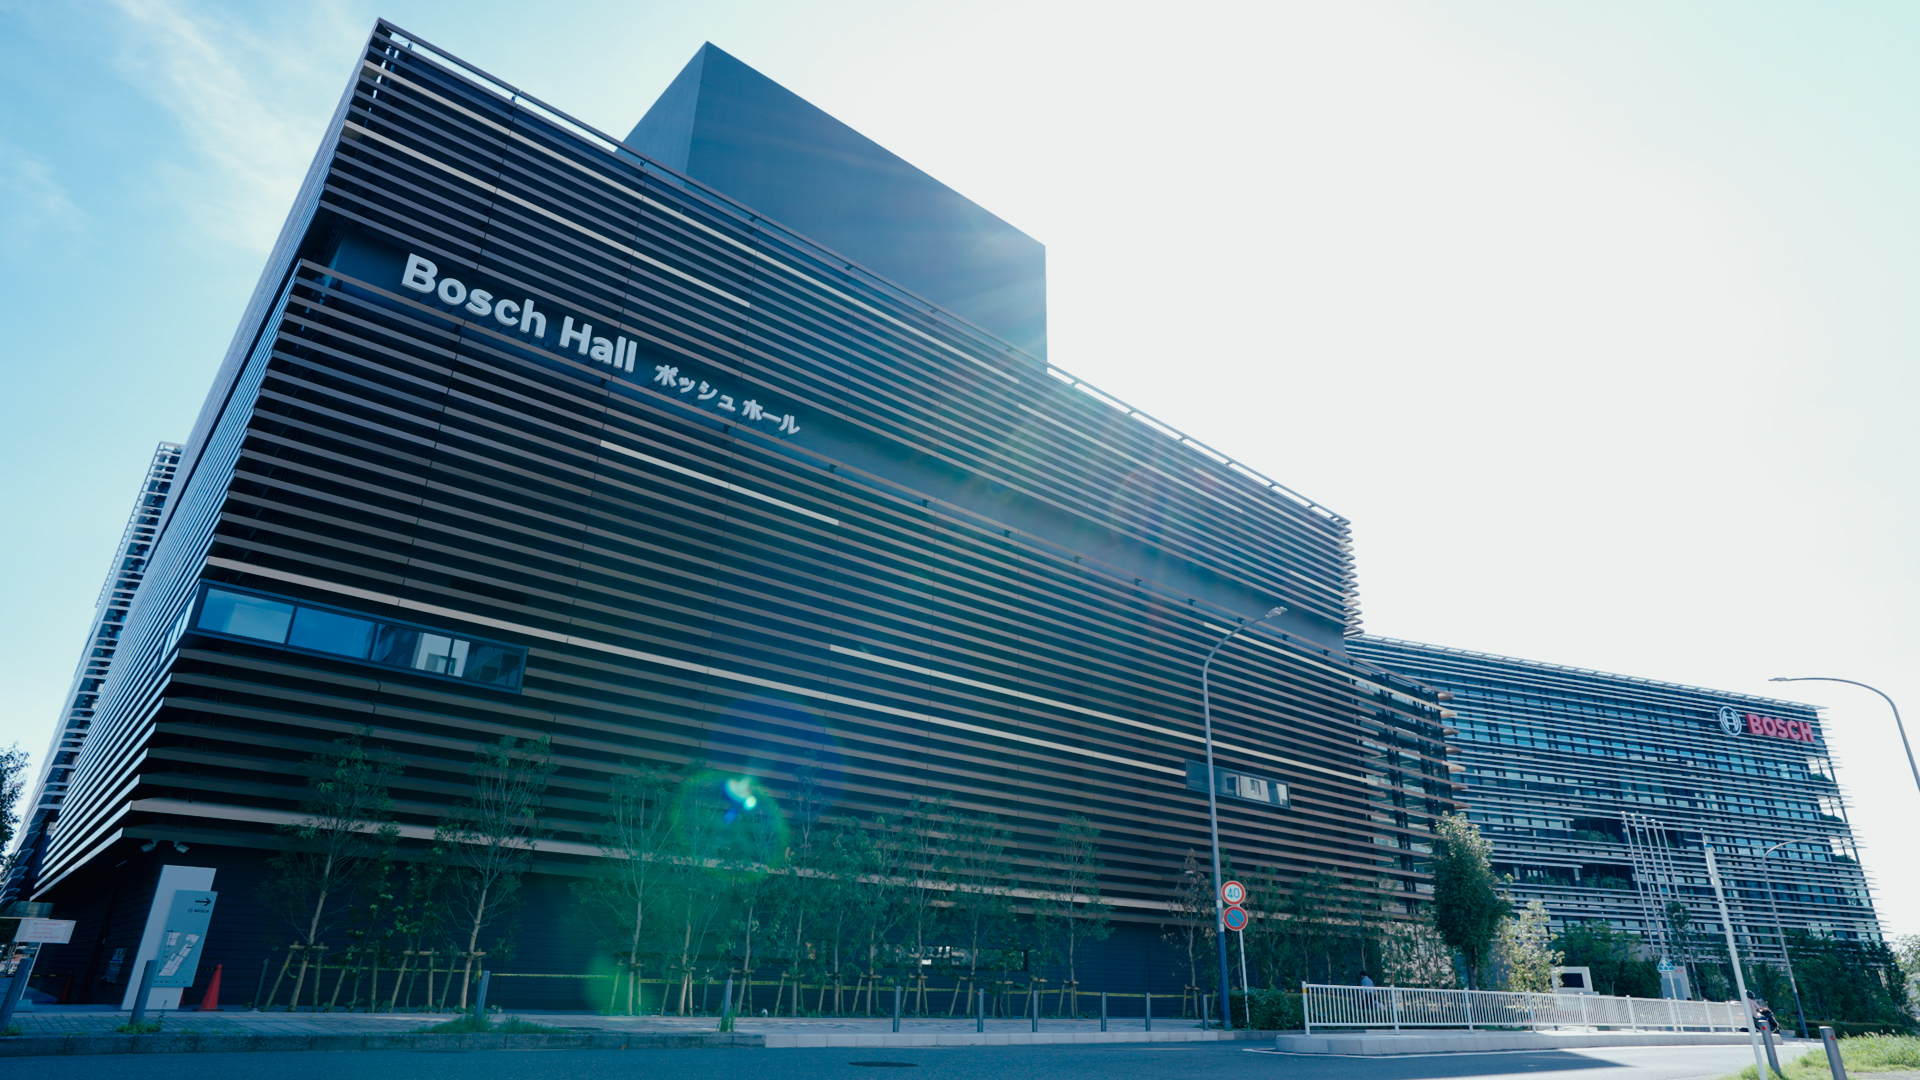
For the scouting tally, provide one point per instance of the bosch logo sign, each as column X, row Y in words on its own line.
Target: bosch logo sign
column 1735, row 722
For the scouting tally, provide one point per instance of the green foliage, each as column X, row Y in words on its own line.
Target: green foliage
column 1862, row 1054
column 640, row 844
column 1906, row 952
column 1613, row 957
column 1468, row 906
column 339, row 847
column 1072, row 911
column 487, row 840
column 13, row 787
column 1523, row 953
column 1272, row 1010
column 12, row 1029
column 1191, row 932
column 1853, row 981
column 145, row 1027
column 1412, row 953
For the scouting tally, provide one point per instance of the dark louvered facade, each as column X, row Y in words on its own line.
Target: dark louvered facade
column 769, row 511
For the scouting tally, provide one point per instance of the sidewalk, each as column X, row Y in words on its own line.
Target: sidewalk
column 1389, row 1043
column 56, row 1020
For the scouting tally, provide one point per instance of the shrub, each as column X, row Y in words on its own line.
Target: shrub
column 1273, row 1010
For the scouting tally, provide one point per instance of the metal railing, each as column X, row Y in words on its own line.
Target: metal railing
column 1394, row 1007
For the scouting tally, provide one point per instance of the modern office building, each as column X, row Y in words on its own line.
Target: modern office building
column 124, row 577
column 529, row 433
column 1601, row 793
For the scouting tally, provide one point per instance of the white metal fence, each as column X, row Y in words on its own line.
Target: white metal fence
column 1406, row 1007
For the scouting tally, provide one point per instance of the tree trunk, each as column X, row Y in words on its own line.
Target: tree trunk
column 473, row 942
column 284, row 964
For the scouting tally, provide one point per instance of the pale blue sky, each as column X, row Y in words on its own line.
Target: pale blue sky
column 1596, row 319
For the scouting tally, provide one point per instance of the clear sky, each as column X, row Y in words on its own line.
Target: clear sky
column 1599, row 321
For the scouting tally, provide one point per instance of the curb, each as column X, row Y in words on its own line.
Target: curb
column 1354, row 1044
column 195, row 1043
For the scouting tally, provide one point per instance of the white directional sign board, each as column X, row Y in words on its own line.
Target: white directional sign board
column 44, row 931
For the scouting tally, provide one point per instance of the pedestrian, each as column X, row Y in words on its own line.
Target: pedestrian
column 1366, row 979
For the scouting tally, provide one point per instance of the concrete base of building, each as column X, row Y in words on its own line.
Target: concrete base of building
column 1381, row 1043
column 190, row 1042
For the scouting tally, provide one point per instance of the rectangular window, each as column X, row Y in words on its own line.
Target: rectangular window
column 330, row 632
column 244, row 615
column 310, row 628
column 1238, row 785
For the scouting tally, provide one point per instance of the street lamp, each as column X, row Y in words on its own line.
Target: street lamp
column 1778, row 928
column 1213, row 812
column 1896, row 715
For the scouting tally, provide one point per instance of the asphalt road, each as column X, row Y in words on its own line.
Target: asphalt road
column 1209, row 1061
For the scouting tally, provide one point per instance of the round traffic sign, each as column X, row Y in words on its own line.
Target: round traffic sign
column 1235, row 918
column 1233, row 892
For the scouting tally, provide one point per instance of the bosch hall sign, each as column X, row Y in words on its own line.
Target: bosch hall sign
column 1735, row 722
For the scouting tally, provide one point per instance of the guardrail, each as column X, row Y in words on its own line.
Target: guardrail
column 1399, row 1007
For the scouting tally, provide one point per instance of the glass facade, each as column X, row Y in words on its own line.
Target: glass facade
column 256, row 617
column 1600, row 794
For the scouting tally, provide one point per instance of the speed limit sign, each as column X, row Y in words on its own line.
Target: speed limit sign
column 1233, row 892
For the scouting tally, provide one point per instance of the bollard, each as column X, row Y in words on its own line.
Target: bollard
column 1834, row 1063
column 1773, row 1060
column 1103, row 1010
column 1206, row 1011
column 480, row 999
column 896, row 1008
column 980, row 1019
column 726, row 998
column 1033, row 1006
column 145, row 991
column 1149, row 1012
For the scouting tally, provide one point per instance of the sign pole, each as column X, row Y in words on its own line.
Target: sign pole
column 18, row 987
column 1246, row 991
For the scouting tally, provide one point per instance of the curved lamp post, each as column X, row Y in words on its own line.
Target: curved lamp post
column 1896, row 715
column 1213, row 812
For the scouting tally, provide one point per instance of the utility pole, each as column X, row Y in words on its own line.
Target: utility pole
column 1733, row 954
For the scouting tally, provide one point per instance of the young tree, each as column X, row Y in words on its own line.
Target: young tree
column 640, row 843
column 800, row 898
column 1072, row 911
column 982, row 901
column 343, row 831
column 1526, row 957
column 1192, row 909
column 488, row 839
column 13, row 787
column 1310, row 909
column 925, row 831
column 1468, row 906
column 1414, row 954
column 419, row 918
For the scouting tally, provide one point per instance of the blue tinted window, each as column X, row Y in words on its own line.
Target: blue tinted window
column 493, row 665
column 245, row 616
column 395, row 645
column 325, row 631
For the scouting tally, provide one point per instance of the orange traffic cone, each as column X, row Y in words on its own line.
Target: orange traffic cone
column 211, row 1003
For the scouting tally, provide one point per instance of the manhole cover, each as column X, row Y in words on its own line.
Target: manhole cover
column 886, row 1064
